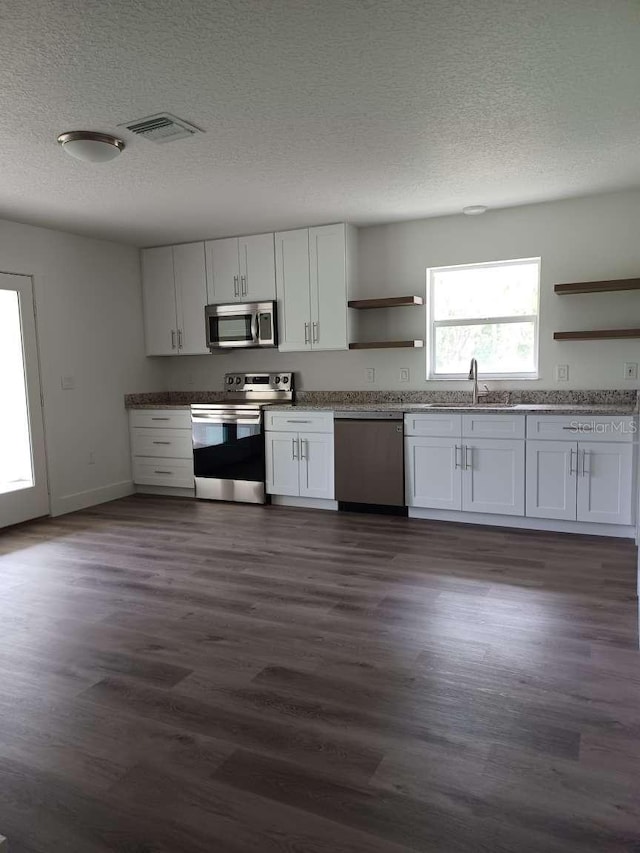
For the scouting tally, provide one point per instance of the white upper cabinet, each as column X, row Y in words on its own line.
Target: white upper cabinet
column 328, row 274
column 241, row 269
column 159, row 300
column 191, row 297
column 174, row 296
column 312, row 267
column 292, row 283
column 223, row 271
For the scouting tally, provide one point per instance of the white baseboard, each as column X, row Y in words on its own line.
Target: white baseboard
column 81, row 500
column 620, row 531
column 306, row 503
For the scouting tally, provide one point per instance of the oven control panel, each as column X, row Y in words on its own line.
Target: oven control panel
column 258, row 382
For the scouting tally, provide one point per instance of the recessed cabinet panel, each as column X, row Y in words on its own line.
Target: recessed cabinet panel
column 257, row 268
column 493, row 476
column 191, row 297
column 328, row 274
column 294, row 300
column 316, row 465
column 435, row 424
column 282, row 464
column 432, row 473
column 605, row 482
column 551, row 479
column 159, row 298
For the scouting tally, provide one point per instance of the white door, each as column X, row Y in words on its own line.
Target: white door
column 292, row 287
column 191, row 297
column 551, row 479
column 432, row 472
column 23, row 469
column 605, row 482
column 493, row 476
column 257, row 268
column 282, row 450
column 316, row 465
column 328, row 271
column 159, row 296
column 223, row 271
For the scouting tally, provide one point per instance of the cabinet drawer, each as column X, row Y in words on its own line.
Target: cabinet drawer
column 444, row 425
column 582, row 427
column 172, row 443
column 177, row 473
column 493, row 426
column 291, row 421
column 161, row 418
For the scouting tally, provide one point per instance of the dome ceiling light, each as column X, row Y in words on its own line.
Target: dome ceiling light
column 90, row 146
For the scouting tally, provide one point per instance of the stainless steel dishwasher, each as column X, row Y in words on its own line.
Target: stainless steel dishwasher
column 369, row 458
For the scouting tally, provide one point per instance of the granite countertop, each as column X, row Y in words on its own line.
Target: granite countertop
column 513, row 402
column 495, row 408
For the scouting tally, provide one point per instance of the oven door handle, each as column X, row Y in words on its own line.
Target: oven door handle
column 227, row 419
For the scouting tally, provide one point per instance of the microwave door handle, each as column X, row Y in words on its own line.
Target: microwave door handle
column 255, row 328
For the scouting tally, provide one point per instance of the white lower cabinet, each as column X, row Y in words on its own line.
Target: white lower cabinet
column 301, row 464
column 161, row 448
column 551, row 479
column 493, row 476
column 580, row 481
column 432, row 472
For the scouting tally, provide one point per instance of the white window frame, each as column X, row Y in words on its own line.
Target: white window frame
column 432, row 324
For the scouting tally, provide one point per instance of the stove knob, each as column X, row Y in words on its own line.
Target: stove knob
column 230, row 380
column 238, row 380
column 277, row 380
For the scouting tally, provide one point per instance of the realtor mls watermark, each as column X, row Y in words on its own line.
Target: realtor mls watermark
column 611, row 428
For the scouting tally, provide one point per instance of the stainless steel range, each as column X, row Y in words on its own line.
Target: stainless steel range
column 228, row 437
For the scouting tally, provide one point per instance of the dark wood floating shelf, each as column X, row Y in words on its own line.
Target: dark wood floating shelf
column 387, row 345
column 386, row 302
column 599, row 286
column 597, row 335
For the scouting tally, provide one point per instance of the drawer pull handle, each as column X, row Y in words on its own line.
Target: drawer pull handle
column 580, row 428
column 297, row 422
column 161, row 442
column 160, row 419
column 157, row 471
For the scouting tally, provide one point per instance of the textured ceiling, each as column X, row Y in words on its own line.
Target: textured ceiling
column 314, row 111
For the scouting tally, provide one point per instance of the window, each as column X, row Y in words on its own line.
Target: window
column 484, row 311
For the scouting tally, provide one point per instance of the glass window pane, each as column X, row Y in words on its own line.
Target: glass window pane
column 15, row 440
column 485, row 291
column 499, row 348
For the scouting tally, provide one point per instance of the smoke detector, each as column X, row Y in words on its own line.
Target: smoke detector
column 161, row 128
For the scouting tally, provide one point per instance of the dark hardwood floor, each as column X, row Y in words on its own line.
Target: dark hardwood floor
column 188, row 677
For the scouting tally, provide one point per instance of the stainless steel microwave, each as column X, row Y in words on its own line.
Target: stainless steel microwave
column 252, row 324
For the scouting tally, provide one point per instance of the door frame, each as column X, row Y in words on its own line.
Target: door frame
column 39, row 392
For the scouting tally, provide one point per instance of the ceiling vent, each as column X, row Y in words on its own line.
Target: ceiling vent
column 161, row 128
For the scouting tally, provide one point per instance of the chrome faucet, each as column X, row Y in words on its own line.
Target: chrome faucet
column 473, row 375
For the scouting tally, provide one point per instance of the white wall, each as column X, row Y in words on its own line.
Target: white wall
column 578, row 240
column 89, row 307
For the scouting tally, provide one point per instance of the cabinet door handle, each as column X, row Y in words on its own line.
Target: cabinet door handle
column 236, row 290
column 455, row 456
column 304, row 441
column 571, row 470
column 306, row 333
column 586, row 471
column 316, row 332
column 179, row 338
column 468, row 458
column 243, row 283
column 173, row 339
column 294, row 447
